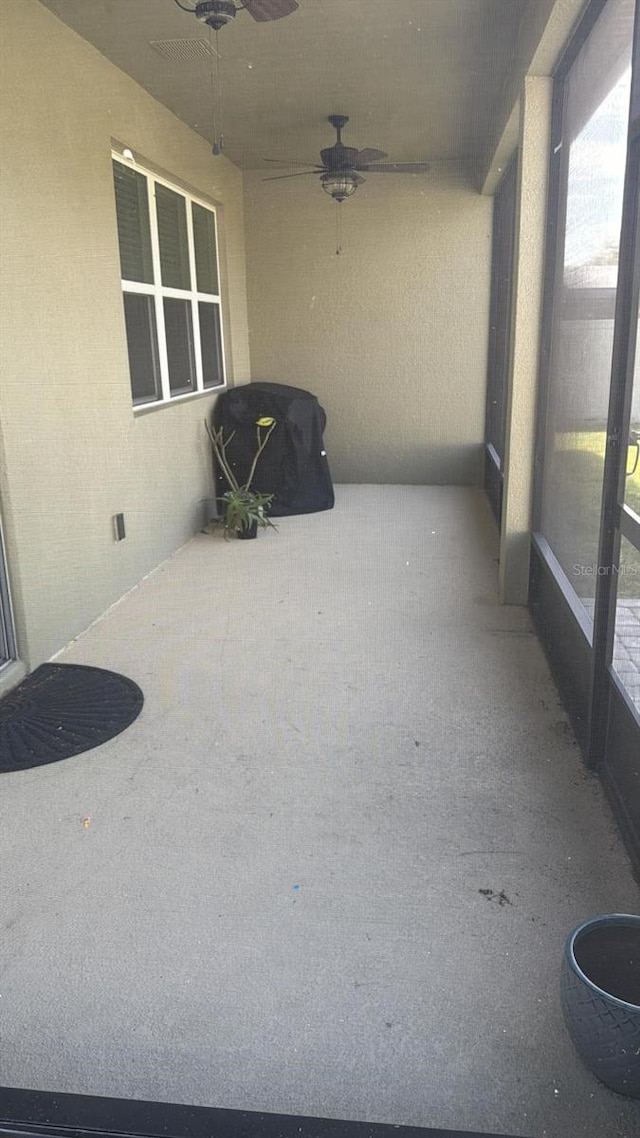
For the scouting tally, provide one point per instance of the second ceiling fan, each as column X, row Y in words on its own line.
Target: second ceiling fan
column 342, row 166
column 218, row 13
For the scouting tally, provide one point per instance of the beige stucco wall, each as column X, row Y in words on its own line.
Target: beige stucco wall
column 392, row 334
column 73, row 454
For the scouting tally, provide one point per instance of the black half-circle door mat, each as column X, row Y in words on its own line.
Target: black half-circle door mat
column 62, row 710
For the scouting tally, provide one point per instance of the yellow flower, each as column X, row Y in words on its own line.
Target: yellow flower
column 265, row 421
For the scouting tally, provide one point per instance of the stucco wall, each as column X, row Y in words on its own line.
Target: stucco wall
column 392, row 334
column 73, row 454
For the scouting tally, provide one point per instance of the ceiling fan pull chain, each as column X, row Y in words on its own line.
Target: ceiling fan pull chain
column 216, row 98
column 219, row 97
column 213, row 93
column 338, row 229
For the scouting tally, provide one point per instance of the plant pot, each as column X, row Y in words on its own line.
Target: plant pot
column 248, row 533
column 600, row 996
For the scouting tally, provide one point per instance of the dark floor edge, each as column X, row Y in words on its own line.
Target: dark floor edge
column 568, row 654
column 25, row 1113
column 628, row 831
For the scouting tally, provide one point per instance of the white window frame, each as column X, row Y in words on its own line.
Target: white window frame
column 159, row 291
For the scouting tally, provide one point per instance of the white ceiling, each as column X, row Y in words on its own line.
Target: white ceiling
column 419, row 79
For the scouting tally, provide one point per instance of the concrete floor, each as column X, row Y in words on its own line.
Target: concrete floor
column 280, row 900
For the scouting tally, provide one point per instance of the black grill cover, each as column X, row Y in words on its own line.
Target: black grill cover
column 293, row 466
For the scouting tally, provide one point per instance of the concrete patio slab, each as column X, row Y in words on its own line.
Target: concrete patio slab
column 330, row 869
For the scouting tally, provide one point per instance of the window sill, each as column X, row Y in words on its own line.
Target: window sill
column 148, row 408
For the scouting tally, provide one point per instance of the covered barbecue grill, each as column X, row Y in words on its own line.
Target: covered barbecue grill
column 293, row 466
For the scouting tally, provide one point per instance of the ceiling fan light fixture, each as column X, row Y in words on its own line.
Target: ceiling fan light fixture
column 340, row 184
column 216, row 13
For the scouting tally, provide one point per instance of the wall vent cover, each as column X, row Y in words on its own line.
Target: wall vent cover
column 183, row 51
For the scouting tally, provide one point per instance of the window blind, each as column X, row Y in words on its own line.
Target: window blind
column 204, row 239
column 134, row 234
column 172, row 238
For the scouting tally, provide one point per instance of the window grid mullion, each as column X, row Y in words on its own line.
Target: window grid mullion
column 195, row 315
column 158, row 292
column 207, row 297
column 136, row 286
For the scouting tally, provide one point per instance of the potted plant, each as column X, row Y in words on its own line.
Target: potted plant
column 242, row 509
column 600, row 995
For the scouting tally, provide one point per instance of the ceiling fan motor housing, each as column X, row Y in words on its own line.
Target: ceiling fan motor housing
column 339, row 157
column 216, row 13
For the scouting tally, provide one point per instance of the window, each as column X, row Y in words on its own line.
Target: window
column 170, row 283
column 592, row 148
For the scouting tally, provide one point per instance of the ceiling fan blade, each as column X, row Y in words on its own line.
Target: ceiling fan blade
column 300, row 174
column 369, row 155
column 397, row 168
column 263, row 10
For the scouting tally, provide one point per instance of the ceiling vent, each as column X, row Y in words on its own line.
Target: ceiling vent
column 183, row 51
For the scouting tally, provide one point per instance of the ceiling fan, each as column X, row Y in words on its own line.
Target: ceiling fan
column 218, row 13
column 341, row 165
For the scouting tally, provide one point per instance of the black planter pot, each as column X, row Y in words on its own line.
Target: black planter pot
column 600, row 995
column 247, row 534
